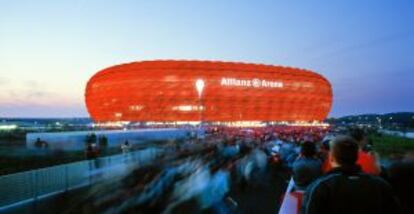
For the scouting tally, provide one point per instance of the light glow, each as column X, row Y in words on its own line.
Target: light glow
column 187, row 108
column 200, row 86
column 8, row 127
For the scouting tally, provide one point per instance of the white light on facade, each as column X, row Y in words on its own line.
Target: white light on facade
column 136, row 107
column 199, row 86
column 187, row 108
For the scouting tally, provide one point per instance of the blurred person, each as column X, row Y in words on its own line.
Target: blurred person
column 323, row 152
column 244, row 168
column 346, row 189
column 45, row 145
column 89, row 152
column 230, row 150
column 189, row 188
column 401, row 177
column 324, row 155
column 286, row 150
column 307, row 167
column 293, row 155
column 125, row 147
column 95, row 150
column 367, row 159
column 38, row 143
column 260, row 160
column 214, row 194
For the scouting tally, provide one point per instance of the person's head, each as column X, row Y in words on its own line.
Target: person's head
column 359, row 136
column 325, row 145
column 344, row 151
column 308, row 149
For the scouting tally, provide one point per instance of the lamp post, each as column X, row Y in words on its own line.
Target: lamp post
column 199, row 84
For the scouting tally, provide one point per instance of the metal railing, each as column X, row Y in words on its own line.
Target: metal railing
column 23, row 187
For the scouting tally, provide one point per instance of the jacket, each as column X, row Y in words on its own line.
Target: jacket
column 305, row 170
column 348, row 190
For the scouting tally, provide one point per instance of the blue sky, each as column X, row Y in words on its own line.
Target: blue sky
column 49, row 49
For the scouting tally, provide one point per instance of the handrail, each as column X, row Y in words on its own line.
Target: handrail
column 24, row 187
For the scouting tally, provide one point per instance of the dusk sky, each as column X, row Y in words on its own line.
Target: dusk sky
column 49, row 49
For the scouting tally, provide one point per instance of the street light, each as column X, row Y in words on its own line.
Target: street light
column 199, row 84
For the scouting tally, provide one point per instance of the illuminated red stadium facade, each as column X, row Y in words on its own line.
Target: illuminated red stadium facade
column 165, row 91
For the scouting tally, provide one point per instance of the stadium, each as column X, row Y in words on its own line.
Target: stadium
column 206, row 107
column 210, row 91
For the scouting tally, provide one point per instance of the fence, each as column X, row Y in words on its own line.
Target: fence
column 32, row 185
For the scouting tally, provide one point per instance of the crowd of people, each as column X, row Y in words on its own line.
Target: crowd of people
column 336, row 174
column 342, row 174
